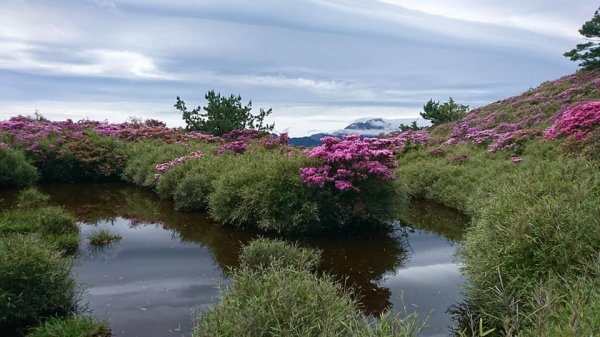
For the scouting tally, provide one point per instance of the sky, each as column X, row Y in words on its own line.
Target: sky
column 319, row 64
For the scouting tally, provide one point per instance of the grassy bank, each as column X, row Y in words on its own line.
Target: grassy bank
column 37, row 241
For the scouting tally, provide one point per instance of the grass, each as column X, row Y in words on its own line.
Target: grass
column 285, row 298
column 264, row 253
column 73, row 326
column 34, row 216
column 103, row 238
column 531, row 223
column 35, row 281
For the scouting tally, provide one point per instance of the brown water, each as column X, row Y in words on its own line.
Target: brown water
column 170, row 264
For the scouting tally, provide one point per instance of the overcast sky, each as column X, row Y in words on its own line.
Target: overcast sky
column 319, row 64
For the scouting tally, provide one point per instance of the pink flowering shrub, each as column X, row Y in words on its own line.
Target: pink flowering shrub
column 404, row 141
column 505, row 136
column 237, row 141
column 275, row 141
column 238, row 146
column 244, row 135
column 344, row 163
column 576, row 121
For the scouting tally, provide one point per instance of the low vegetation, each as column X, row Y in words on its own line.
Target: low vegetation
column 35, row 281
column 36, row 284
column 34, row 216
column 73, row 326
column 264, row 253
column 103, row 238
column 285, row 298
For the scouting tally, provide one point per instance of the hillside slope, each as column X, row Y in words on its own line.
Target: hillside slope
column 527, row 171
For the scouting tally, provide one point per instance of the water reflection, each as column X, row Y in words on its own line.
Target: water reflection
column 170, row 262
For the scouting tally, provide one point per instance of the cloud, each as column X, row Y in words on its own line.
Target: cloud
column 97, row 63
column 319, row 63
column 539, row 16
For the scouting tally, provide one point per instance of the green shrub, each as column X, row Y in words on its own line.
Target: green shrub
column 263, row 253
column 15, row 169
column 264, row 190
column 35, row 281
column 279, row 302
column 276, row 294
column 56, row 221
column 531, row 222
column 142, row 158
column 74, row 326
column 543, row 220
column 192, row 192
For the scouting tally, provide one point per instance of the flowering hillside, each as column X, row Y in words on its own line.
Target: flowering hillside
column 565, row 108
column 527, row 171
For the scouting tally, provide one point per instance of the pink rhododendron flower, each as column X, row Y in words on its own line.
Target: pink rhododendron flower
column 345, row 162
column 576, row 120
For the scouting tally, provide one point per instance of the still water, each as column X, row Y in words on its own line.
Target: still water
column 170, row 264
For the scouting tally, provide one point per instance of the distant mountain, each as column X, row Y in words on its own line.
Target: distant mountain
column 308, row 141
column 365, row 127
column 375, row 126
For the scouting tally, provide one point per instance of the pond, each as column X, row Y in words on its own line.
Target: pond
column 171, row 264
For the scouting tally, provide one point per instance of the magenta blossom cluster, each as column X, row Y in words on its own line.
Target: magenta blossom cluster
column 238, row 141
column 576, row 120
column 238, row 146
column 405, row 139
column 345, row 162
column 162, row 168
column 30, row 131
column 504, row 136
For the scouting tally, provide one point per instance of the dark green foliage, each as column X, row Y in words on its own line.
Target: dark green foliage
column 222, row 115
column 588, row 53
column 191, row 194
column 443, row 113
column 35, row 281
column 265, row 253
column 264, row 190
column 15, row 169
column 142, row 158
column 89, row 158
column 410, row 127
column 74, row 326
